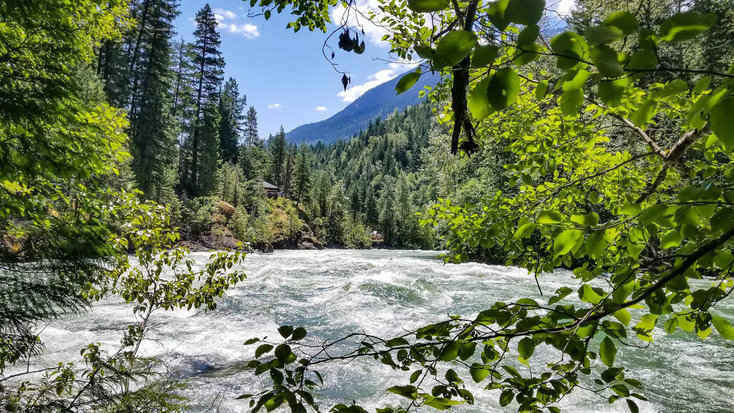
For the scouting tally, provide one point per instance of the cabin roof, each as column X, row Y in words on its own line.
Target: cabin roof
column 268, row 185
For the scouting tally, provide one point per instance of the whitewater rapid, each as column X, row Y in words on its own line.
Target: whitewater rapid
column 383, row 292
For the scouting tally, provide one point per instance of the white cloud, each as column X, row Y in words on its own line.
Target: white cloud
column 352, row 93
column 223, row 14
column 274, row 106
column 250, row 31
column 376, row 79
column 227, row 20
column 321, row 109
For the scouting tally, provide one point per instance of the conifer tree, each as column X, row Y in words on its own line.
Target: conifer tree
column 152, row 125
column 302, row 177
column 231, row 107
column 209, row 66
column 251, row 133
column 288, row 172
column 278, row 151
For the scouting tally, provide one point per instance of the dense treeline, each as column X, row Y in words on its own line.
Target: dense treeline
column 195, row 146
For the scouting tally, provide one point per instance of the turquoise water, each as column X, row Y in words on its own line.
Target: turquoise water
column 335, row 292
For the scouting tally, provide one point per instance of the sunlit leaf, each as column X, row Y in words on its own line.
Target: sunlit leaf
column 425, row 6
column 407, row 81
column 454, row 47
column 503, row 88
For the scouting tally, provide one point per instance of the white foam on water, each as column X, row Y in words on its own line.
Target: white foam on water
column 382, row 292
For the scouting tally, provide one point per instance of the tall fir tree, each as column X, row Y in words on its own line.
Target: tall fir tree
column 231, row 125
column 251, row 132
column 302, row 177
column 278, row 151
column 152, row 127
column 209, row 66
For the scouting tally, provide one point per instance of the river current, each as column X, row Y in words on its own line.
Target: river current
column 335, row 292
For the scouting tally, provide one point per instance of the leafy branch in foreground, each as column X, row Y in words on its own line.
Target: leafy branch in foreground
column 616, row 164
column 160, row 277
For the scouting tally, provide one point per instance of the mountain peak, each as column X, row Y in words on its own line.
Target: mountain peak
column 377, row 102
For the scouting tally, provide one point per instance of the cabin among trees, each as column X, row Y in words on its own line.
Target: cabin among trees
column 271, row 190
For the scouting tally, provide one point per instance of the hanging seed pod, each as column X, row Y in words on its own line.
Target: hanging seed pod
column 345, row 81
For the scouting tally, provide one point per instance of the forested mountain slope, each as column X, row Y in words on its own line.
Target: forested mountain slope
column 375, row 103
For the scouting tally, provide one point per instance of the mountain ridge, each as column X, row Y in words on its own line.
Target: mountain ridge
column 377, row 102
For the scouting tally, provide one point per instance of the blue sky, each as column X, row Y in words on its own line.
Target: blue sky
column 283, row 74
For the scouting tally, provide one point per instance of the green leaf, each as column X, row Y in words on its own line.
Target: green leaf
column 496, row 14
column 283, row 352
column 566, row 241
column 623, row 316
column 525, row 230
column 425, row 52
column 506, row 397
column 450, row 351
column 478, row 372
column 477, row 100
column 528, row 35
column 612, row 91
column 644, row 113
column 723, row 327
column 454, row 47
column 577, row 81
column 572, row 48
column 603, row 34
column 607, row 351
column 410, row 392
column 622, row 20
column 251, row 341
column 560, row 294
column 525, row 12
column 262, row 349
column 588, row 295
column 549, row 217
column 426, row 6
column 439, row 403
column 572, row 101
column 606, row 61
column 298, row 334
column 621, row 390
column 399, row 341
column 503, row 88
column 541, row 89
column 484, row 55
column 467, row 350
column 528, row 53
column 285, row 331
column 406, row 82
column 525, row 347
column 643, row 60
column 632, row 406
column 671, row 239
column 721, row 121
column 415, row 376
column 684, row 26
column 670, row 325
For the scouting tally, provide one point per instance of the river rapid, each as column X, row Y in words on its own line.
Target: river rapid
column 335, row 292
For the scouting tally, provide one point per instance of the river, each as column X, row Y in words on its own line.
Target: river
column 334, row 292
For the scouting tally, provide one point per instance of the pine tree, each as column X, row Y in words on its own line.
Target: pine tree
column 288, row 172
column 152, row 126
column 278, row 151
column 183, row 109
column 231, row 107
column 251, row 133
column 302, row 177
column 209, row 67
